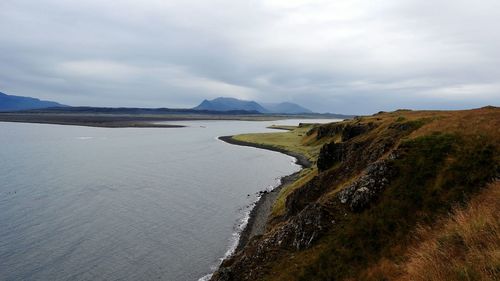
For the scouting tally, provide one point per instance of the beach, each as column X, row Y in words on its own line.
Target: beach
column 259, row 215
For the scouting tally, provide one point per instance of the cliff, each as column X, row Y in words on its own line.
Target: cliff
column 377, row 181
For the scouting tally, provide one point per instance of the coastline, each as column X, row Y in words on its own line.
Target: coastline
column 123, row 124
column 259, row 214
column 105, row 119
column 88, row 120
column 301, row 159
column 121, row 120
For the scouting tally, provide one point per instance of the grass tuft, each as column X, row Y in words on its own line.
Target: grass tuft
column 464, row 247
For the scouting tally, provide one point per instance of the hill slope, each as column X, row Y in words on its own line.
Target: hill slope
column 285, row 107
column 376, row 182
column 14, row 103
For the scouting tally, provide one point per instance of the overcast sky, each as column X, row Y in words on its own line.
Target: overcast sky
column 331, row 56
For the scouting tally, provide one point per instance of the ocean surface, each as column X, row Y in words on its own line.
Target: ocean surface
column 82, row 203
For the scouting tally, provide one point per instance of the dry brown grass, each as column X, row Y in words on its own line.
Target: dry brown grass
column 472, row 122
column 466, row 122
column 465, row 247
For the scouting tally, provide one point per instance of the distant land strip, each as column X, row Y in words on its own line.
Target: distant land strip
column 137, row 117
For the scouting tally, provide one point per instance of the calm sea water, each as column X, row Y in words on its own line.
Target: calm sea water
column 80, row 203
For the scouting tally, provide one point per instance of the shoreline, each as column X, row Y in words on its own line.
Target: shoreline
column 301, row 159
column 128, row 120
column 257, row 220
column 124, row 120
column 88, row 120
column 124, row 124
column 259, row 215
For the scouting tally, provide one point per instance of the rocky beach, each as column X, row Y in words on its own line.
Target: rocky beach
column 260, row 213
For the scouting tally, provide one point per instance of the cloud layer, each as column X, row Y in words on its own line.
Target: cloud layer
column 347, row 56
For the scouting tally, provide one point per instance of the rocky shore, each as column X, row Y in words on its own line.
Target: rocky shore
column 260, row 213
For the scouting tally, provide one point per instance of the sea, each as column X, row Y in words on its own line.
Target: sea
column 84, row 203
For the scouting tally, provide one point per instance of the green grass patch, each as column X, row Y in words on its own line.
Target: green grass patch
column 290, row 141
column 282, row 127
column 305, row 176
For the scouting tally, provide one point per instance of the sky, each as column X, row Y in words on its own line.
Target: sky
column 339, row 56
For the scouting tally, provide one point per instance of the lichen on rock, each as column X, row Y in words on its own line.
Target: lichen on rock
column 362, row 191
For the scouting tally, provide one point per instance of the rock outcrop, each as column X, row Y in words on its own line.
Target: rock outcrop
column 353, row 130
column 328, row 130
column 301, row 197
column 365, row 189
column 329, row 155
column 303, row 229
column 297, row 234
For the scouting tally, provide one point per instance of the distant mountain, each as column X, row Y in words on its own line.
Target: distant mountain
column 135, row 111
column 226, row 104
column 285, row 107
column 15, row 103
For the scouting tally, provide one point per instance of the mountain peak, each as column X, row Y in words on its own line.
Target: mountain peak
column 15, row 103
column 228, row 103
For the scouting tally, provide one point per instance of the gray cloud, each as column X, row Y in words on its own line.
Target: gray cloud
column 346, row 56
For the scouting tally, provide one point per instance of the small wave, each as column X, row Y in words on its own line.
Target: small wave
column 206, row 277
column 84, row 138
column 235, row 239
column 239, row 227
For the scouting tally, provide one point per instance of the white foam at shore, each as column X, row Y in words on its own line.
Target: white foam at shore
column 206, row 277
column 243, row 222
column 240, row 226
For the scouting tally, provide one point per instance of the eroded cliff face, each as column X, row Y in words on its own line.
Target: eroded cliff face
column 360, row 159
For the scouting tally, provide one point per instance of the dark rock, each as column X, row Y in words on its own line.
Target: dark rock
column 224, row 274
column 304, row 229
column 301, row 197
column 489, row 107
column 353, row 130
column 365, row 189
column 329, row 130
column 329, row 155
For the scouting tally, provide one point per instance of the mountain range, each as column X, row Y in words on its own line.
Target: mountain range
column 15, row 103
column 222, row 105
column 226, row 104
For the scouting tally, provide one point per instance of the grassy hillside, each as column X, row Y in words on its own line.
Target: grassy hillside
column 378, row 181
